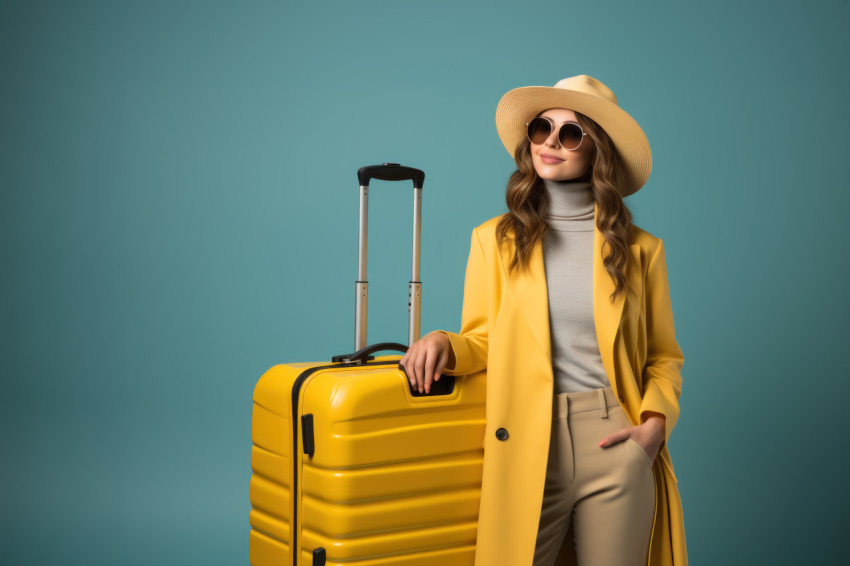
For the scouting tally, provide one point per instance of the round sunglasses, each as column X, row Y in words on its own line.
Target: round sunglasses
column 570, row 135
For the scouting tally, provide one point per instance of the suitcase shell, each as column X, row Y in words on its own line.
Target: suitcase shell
column 350, row 464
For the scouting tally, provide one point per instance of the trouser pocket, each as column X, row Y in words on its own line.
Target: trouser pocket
column 640, row 449
column 624, row 419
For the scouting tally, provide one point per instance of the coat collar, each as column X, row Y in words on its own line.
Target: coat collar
column 530, row 292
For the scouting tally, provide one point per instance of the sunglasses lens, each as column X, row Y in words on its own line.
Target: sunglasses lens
column 538, row 130
column 570, row 136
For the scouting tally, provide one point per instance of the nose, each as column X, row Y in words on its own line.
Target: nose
column 552, row 141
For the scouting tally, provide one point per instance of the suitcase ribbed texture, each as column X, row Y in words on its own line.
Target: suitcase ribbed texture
column 394, row 478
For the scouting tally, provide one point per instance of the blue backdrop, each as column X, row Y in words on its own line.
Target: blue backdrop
column 179, row 213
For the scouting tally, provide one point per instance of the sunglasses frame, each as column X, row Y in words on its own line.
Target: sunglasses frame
column 552, row 125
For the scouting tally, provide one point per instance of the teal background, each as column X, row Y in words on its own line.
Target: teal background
column 179, row 213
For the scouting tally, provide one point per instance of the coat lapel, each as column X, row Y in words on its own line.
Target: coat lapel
column 530, row 292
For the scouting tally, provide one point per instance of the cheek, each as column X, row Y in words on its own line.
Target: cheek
column 537, row 164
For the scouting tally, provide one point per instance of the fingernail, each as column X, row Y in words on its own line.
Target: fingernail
column 601, row 443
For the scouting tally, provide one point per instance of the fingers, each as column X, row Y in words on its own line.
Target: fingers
column 403, row 363
column 441, row 363
column 423, row 363
column 413, row 362
column 437, row 356
column 431, row 355
column 407, row 362
column 618, row 436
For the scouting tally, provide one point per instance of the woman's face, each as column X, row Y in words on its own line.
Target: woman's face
column 553, row 162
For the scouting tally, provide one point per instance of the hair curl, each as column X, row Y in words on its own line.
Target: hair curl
column 528, row 205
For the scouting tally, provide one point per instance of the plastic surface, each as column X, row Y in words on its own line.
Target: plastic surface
column 391, row 475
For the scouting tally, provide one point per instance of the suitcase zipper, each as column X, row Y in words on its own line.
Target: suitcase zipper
column 296, row 393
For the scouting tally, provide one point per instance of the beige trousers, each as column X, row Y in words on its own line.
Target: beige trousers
column 607, row 495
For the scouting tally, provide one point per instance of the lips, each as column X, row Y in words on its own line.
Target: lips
column 551, row 159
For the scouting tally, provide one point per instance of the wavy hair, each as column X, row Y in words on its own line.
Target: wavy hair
column 528, row 205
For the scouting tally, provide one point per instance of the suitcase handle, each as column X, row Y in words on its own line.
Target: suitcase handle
column 391, row 172
column 445, row 386
column 387, row 172
column 362, row 355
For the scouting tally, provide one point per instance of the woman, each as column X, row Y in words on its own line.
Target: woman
column 567, row 310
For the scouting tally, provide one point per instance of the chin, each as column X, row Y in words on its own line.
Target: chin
column 560, row 177
column 556, row 176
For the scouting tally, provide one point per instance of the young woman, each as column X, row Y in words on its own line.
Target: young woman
column 567, row 309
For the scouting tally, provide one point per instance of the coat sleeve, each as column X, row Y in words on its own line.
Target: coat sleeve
column 470, row 345
column 662, row 374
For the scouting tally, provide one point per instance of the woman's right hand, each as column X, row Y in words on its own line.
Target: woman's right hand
column 425, row 359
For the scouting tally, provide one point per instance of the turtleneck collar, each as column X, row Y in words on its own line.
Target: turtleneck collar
column 569, row 201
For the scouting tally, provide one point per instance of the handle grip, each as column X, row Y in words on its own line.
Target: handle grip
column 391, row 172
column 445, row 386
column 362, row 355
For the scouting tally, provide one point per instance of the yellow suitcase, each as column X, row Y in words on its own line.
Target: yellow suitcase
column 352, row 466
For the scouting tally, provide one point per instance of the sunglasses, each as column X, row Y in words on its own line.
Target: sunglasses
column 570, row 135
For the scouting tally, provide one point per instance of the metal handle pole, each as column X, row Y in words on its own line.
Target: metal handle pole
column 389, row 172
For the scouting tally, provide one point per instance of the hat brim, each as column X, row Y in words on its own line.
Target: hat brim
column 520, row 105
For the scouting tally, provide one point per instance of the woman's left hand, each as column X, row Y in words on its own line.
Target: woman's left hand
column 649, row 435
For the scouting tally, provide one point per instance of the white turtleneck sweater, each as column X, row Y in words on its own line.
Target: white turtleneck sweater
column 568, row 259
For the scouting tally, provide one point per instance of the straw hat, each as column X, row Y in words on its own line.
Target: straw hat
column 590, row 97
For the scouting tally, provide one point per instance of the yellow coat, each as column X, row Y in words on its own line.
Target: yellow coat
column 505, row 333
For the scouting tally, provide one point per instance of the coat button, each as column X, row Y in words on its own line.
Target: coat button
column 621, row 398
column 502, row 434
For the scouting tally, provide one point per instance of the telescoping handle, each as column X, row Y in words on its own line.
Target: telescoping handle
column 388, row 172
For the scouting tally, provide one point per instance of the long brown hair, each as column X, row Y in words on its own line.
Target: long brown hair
column 528, row 204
